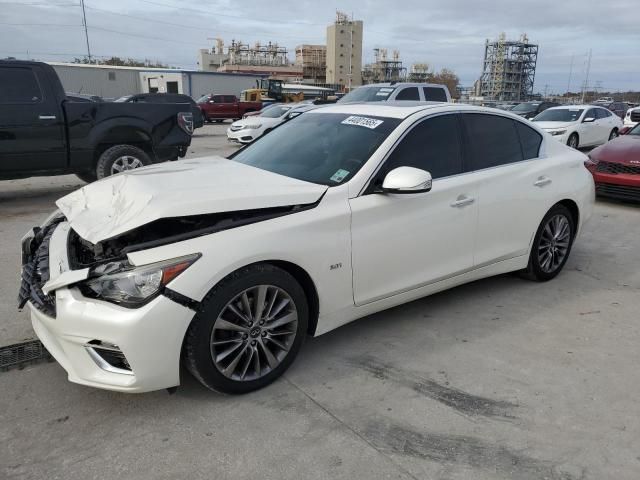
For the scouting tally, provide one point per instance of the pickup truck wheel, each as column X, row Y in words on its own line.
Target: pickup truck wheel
column 87, row 176
column 121, row 158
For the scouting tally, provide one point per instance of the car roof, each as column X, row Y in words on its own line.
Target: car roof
column 574, row 107
column 403, row 84
column 403, row 109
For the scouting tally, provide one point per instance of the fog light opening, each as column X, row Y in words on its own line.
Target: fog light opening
column 108, row 357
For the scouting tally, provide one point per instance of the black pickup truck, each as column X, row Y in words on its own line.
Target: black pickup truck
column 42, row 132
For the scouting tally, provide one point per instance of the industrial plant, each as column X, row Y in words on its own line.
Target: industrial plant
column 509, row 69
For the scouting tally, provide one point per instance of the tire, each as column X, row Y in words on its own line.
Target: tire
column 87, row 176
column 127, row 157
column 219, row 121
column 538, row 269
column 573, row 141
column 613, row 134
column 221, row 352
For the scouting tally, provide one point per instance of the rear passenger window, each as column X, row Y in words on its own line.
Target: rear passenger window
column 408, row 94
column 434, row 94
column 529, row 139
column 19, row 85
column 433, row 145
column 493, row 140
column 230, row 99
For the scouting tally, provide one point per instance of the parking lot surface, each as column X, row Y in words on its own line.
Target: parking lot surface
column 499, row 379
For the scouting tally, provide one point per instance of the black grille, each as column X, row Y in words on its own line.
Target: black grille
column 35, row 270
column 610, row 167
column 635, row 116
column 623, row 192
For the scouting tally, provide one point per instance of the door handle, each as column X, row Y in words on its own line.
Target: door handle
column 542, row 182
column 463, row 201
column 47, row 117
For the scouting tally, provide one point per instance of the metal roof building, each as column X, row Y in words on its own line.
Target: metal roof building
column 110, row 81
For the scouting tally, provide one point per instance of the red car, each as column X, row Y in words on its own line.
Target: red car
column 616, row 167
column 221, row 107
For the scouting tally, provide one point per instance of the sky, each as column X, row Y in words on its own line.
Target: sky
column 445, row 33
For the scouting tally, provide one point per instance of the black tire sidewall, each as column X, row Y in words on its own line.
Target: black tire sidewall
column 197, row 352
column 534, row 270
column 110, row 155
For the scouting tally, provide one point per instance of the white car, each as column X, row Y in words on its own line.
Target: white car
column 580, row 125
column 250, row 128
column 632, row 117
column 227, row 264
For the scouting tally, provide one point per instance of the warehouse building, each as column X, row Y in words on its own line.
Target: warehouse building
column 112, row 82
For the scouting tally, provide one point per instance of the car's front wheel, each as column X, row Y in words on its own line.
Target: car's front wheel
column 573, row 141
column 551, row 244
column 248, row 331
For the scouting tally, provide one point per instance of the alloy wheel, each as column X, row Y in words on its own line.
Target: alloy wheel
column 126, row 162
column 554, row 243
column 573, row 142
column 254, row 332
column 614, row 134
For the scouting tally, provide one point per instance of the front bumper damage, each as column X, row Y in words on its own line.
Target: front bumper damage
column 99, row 344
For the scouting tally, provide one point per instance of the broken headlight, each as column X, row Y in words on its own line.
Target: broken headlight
column 130, row 286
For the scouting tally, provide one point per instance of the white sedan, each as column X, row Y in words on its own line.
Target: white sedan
column 580, row 125
column 249, row 129
column 226, row 265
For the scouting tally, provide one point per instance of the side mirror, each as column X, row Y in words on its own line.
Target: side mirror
column 589, row 120
column 212, row 101
column 407, row 180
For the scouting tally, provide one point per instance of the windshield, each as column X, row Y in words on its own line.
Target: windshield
column 275, row 112
column 324, row 148
column 525, row 107
column 560, row 115
column 203, row 99
column 635, row 130
column 368, row 94
column 123, row 99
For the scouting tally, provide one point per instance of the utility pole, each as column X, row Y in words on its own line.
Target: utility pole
column 586, row 80
column 86, row 33
column 570, row 73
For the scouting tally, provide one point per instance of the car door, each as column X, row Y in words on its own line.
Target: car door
column 403, row 241
column 589, row 131
column 513, row 184
column 31, row 122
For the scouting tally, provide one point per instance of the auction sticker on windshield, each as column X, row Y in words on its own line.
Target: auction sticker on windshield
column 339, row 175
column 363, row 121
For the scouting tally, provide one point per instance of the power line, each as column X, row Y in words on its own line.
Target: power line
column 222, row 14
column 40, row 25
column 40, row 4
column 164, row 22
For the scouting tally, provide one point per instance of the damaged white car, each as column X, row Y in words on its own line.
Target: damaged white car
column 226, row 265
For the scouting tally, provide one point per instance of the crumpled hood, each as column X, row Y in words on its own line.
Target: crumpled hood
column 553, row 125
column 117, row 204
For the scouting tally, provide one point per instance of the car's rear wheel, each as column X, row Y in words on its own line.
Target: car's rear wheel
column 121, row 158
column 613, row 134
column 574, row 141
column 551, row 244
column 248, row 331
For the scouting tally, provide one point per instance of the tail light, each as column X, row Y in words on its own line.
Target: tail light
column 185, row 120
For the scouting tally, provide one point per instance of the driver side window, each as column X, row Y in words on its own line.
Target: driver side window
column 432, row 145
